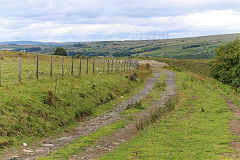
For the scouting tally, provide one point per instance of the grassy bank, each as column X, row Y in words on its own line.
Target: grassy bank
column 197, row 129
column 38, row 108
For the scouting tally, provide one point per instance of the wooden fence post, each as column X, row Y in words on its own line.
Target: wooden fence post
column 98, row 65
column 0, row 73
column 124, row 65
column 93, row 65
column 121, row 62
column 19, row 69
column 80, row 65
column 120, row 65
column 62, row 66
column 132, row 66
column 72, row 67
column 87, row 67
column 129, row 65
column 51, row 66
column 112, row 66
column 37, row 67
column 116, row 66
column 108, row 70
column 135, row 64
column 103, row 62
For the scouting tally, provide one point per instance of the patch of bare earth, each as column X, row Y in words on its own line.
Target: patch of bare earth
column 152, row 63
column 110, row 142
column 235, row 126
column 92, row 124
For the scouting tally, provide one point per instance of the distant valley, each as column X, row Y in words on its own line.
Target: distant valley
column 184, row 48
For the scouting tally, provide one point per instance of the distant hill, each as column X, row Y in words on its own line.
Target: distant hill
column 185, row 48
column 36, row 43
column 33, row 46
column 192, row 48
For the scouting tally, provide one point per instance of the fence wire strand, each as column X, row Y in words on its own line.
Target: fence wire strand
column 18, row 68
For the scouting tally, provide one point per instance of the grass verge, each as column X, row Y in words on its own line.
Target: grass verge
column 189, row 132
column 36, row 109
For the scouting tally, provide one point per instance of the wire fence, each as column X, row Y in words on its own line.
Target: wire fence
column 18, row 68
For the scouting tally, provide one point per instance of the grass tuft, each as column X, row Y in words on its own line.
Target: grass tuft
column 161, row 85
column 137, row 105
column 156, row 115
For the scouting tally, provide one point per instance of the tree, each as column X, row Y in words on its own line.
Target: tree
column 226, row 66
column 60, row 51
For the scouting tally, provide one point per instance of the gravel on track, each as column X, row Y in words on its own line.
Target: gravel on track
column 110, row 142
column 49, row 145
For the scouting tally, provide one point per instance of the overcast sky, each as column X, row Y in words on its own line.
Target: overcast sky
column 87, row 20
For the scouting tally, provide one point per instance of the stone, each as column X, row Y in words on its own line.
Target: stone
column 25, row 144
column 27, row 151
column 46, row 145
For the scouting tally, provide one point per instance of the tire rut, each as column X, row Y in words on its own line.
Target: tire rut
column 49, row 145
column 235, row 126
column 110, row 142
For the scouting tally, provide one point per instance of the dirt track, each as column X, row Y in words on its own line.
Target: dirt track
column 48, row 145
column 152, row 63
column 235, row 127
column 109, row 143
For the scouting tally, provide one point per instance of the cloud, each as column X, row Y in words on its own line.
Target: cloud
column 78, row 20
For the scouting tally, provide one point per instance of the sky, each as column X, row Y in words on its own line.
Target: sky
column 97, row 20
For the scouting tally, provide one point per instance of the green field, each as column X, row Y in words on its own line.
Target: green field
column 37, row 108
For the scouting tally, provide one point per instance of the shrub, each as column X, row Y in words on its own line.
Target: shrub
column 226, row 66
column 133, row 77
column 60, row 51
column 148, row 66
column 160, row 85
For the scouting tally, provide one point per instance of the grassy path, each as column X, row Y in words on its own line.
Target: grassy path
column 197, row 129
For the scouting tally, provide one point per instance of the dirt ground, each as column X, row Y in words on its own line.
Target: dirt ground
column 235, row 126
column 152, row 63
